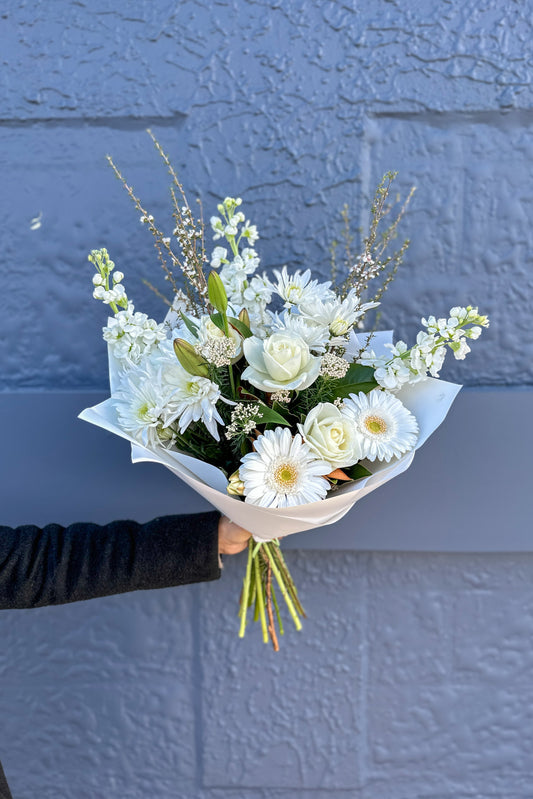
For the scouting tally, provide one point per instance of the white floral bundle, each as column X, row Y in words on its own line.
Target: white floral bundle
column 262, row 392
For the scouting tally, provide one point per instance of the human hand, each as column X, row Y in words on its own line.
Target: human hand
column 231, row 537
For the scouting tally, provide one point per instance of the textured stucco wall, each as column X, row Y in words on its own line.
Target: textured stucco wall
column 412, row 679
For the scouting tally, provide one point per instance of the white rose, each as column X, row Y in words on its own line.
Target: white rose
column 282, row 360
column 332, row 436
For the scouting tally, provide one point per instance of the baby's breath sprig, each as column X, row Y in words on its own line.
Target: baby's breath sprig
column 244, row 419
column 282, row 396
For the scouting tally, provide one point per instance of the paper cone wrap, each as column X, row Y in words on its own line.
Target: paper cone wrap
column 429, row 401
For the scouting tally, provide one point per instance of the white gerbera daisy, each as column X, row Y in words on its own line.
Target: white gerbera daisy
column 385, row 426
column 282, row 471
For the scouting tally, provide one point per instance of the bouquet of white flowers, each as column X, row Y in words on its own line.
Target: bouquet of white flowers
column 262, row 392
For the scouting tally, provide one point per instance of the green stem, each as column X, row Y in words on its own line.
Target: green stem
column 260, row 599
column 245, row 590
column 276, row 551
column 278, row 614
column 281, row 582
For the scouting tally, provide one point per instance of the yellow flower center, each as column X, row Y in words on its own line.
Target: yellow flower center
column 375, row 425
column 143, row 411
column 286, row 475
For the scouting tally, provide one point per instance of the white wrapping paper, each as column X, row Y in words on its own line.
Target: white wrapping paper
column 428, row 400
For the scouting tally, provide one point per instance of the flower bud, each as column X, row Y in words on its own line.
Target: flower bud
column 244, row 317
column 217, row 293
column 235, row 486
column 192, row 362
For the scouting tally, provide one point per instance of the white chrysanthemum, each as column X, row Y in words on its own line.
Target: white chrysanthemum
column 194, row 400
column 297, row 289
column 138, row 406
column 385, row 427
column 282, row 471
column 315, row 335
column 338, row 316
column 183, row 397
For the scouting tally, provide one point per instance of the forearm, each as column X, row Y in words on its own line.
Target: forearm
column 55, row 565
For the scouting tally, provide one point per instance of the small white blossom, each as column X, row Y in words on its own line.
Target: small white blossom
column 219, row 257
column 132, row 335
column 282, row 396
column 244, row 420
column 250, row 232
column 218, row 227
column 218, row 351
column 333, row 366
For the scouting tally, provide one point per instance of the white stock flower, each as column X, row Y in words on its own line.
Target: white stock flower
column 282, row 472
column 250, row 260
column 385, row 427
column 297, row 289
column 331, row 435
column 250, row 232
column 282, row 360
column 219, row 257
column 132, row 335
column 217, row 226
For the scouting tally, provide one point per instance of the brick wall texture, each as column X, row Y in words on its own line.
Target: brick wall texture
column 412, row 679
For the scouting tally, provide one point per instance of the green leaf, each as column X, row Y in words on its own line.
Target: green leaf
column 240, row 327
column 357, row 378
column 191, row 327
column 218, row 320
column 269, row 415
column 357, row 471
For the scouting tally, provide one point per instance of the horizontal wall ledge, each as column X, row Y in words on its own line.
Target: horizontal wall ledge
column 469, row 488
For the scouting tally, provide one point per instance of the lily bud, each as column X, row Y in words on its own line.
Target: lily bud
column 217, row 293
column 192, row 362
column 235, row 486
column 244, row 317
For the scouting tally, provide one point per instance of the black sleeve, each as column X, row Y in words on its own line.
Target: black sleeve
column 54, row 565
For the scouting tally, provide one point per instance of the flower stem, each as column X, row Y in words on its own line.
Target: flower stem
column 260, row 600
column 267, row 549
column 276, row 551
column 271, row 627
column 246, row 590
column 278, row 614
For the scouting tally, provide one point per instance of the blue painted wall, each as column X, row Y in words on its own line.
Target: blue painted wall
column 412, row 678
